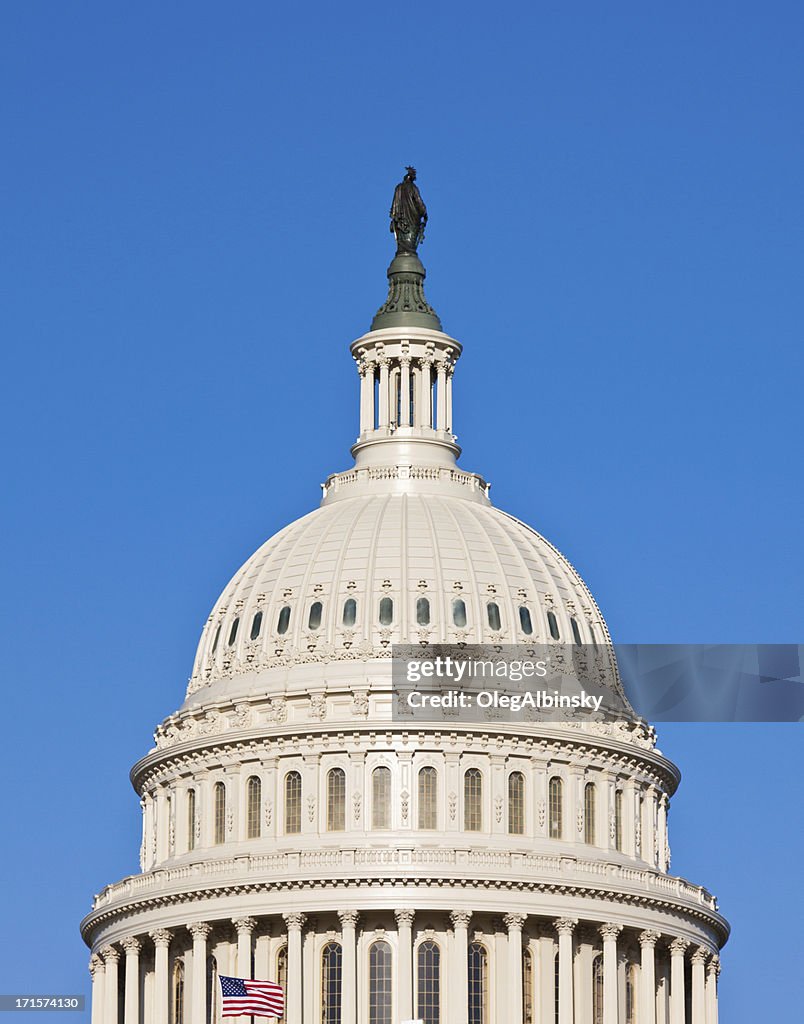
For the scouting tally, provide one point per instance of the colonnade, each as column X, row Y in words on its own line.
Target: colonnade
column 565, row 987
column 392, row 406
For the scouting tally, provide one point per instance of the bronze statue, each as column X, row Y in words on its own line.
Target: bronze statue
column 408, row 214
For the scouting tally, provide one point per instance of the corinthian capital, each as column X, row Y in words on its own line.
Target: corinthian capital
column 348, row 918
column 460, row 918
column 678, row 947
column 199, row 930
column 110, row 954
column 700, row 955
column 95, row 964
column 244, row 924
column 294, row 920
column 648, row 939
column 713, row 967
column 131, row 946
column 609, row 930
column 161, row 937
column 565, row 925
column 404, row 918
column 514, row 922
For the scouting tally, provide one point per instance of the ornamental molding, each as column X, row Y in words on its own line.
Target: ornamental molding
column 676, row 909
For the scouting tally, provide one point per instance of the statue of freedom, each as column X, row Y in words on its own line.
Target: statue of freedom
column 408, row 214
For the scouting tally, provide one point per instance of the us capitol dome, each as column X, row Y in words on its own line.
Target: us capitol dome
column 296, row 829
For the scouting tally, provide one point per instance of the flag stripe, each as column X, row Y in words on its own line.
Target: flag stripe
column 249, row 997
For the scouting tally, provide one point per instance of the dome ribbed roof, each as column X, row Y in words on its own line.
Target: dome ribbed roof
column 401, row 546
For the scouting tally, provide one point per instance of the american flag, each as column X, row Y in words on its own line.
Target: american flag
column 246, row 997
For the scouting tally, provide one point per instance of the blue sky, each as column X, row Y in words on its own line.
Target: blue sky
column 194, row 229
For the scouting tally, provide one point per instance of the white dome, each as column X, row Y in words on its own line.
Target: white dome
column 402, row 546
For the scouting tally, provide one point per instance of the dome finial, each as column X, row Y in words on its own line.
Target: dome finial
column 406, row 305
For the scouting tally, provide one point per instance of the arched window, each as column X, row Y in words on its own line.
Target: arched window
column 618, row 820
column 381, row 798
column 525, row 620
column 422, row 611
column 216, row 638
column 220, row 813
column 314, row 619
column 473, row 800
column 253, row 807
column 493, row 612
column 282, row 973
column 336, row 800
column 284, row 620
column 556, row 810
column 293, row 803
column 576, row 633
column 428, row 797
column 428, row 982
column 178, row 992
column 212, row 989
column 190, row 819
column 459, row 612
column 256, row 625
column 516, row 803
column 380, row 988
column 589, row 811
column 631, row 995
column 349, row 611
column 331, row 980
column 478, row 962
column 597, row 990
column 233, row 631
column 386, row 611
column 528, row 1009
column 553, row 626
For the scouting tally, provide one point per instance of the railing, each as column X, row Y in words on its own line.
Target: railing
column 508, row 865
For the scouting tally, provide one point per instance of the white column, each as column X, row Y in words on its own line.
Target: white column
column 441, row 397
column 200, row 933
column 664, row 843
column 348, row 919
column 678, row 948
column 514, row 924
column 244, row 926
column 698, row 986
column 712, row 972
column 148, row 831
column 460, row 967
column 366, row 370
column 565, row 926
column 448, row 410
column 404, row 396
column 384, row 419
column 161, row 939
column 132, row 1003
column 162, row 825
column 609, row 933
column 293, row 1008
column 647, row 977
column 404, row 924
column 424, row 408
column 111, row 958
column 96, row 969
column 546, row 981
column 649, row 827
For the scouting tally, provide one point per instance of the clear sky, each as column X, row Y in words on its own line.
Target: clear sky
column 194, row 229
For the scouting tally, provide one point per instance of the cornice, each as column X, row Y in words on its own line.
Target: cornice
column 710, row 920
column 556, row 742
